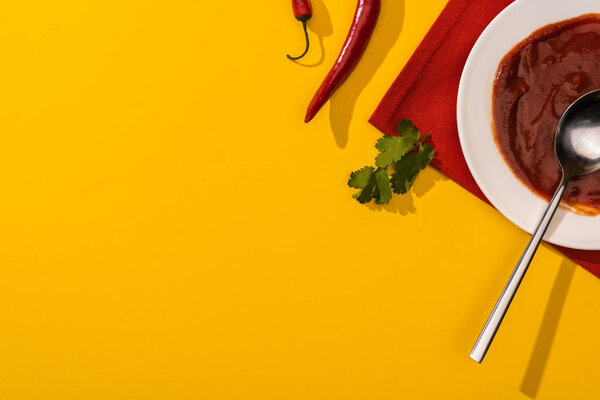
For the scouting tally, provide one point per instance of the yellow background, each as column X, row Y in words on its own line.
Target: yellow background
column 171, row 229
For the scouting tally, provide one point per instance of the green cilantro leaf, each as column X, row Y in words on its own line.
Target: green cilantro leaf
column 359, row 179
column 408, row 130
column 363, row 179
column 384, row 193
column 392, row 148
column 407, row 154
column 426, row 154
column 366, row 194
column 407, row 169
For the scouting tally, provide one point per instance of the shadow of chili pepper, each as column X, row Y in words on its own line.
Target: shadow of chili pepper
column 389, row 26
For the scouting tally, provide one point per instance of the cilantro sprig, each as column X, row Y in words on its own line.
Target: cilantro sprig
column 402, row 157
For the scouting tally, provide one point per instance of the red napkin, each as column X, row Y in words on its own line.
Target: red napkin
column 426, row 89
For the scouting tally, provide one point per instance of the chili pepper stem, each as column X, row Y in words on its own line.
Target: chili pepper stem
column 307, row 43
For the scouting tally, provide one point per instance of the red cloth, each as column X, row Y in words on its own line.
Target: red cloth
column 426, row 89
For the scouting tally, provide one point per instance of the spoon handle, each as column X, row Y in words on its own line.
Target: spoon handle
column 493, row 323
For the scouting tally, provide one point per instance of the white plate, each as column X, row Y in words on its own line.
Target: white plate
column 474, row 112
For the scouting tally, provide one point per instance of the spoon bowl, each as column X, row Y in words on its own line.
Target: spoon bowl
column 577, row 141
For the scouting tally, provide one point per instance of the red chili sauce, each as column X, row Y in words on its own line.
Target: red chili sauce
column 535, row 83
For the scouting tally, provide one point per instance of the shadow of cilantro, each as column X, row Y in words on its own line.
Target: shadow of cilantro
column 404, row 204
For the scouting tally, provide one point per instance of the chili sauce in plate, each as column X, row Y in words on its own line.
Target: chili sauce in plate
column 535, row 83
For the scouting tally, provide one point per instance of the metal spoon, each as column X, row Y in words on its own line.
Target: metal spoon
column 577, row 147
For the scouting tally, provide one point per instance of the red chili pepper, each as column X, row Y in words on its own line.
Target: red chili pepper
column 365, row 19
column 302, row 12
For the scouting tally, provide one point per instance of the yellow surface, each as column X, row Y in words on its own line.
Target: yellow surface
column 171, row 229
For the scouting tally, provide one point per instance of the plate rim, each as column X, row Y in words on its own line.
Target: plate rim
column 461, row 118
